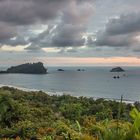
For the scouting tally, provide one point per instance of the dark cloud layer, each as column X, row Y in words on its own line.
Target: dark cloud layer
column 125, row 24
column 21, row 12
column 6, row 31
column 121, row 31
column 71, row 28
column 16, row 13
column 67, row 22
column 73, row 14
column 73, row 25
column 68, row 35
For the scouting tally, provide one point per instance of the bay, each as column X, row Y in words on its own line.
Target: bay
column 95, row 82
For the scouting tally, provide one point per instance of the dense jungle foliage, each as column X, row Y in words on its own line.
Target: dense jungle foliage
column 38, row 116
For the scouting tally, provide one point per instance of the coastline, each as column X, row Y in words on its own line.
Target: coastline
column 66, row 93
column 34, row 90
column 20, row 88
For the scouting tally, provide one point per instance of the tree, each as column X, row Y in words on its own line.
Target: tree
column 10, row 112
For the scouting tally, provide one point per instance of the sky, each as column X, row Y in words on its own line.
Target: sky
column 70, row 32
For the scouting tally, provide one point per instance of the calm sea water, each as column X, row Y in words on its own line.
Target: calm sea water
column 95, row 82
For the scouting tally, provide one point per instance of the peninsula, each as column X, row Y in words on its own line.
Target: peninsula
column 28, row 68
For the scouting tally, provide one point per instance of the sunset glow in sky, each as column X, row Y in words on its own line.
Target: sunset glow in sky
column 70, row 32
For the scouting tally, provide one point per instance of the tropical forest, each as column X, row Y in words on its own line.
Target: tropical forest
column 35, row 115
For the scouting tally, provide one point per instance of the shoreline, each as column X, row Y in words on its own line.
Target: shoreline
column 66, row 93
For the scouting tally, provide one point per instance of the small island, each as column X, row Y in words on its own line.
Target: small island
column 117, row 69
column 60, row 70
column 28, row 68
column 80, row 70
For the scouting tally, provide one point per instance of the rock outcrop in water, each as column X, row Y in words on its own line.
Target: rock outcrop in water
column 80, row 70
column 117, row 69
column 60, row 70
column 28, row 68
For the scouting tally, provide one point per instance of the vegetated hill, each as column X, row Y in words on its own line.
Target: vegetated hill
column 28, row 68
column 38, row 116
column 117, row 69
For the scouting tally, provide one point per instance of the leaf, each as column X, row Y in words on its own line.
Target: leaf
column 134, row 113
column 79, row 127
column 137, row 123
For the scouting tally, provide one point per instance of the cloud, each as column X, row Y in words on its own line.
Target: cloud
column 115, row 40
column 120, row 31
column 126, row 23
column 22, row 12
column 33, row 48
column 73, row 25
column 64, row 35
column 69, row 16
column 68, row 35
column 70, row 30
column 19, row 40
column 41, row 40
column 6, row 32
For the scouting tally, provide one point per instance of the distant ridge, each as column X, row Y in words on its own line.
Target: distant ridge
column 27, row 68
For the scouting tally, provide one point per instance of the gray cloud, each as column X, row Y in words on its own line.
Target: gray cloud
column 6, row 32
column 21, row 12
column 71, row 28
column 19, row 40
column 115, row 40
column 64, row 35
column 71, row 17
column 125, row 24
column 41, row 40
column 68, row 35
column 121, row 31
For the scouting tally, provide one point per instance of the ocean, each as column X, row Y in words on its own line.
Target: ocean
column 97, row 82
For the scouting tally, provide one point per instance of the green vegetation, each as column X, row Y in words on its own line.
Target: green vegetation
column 38, row 116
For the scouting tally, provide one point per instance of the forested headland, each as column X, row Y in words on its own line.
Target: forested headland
column 27, row 68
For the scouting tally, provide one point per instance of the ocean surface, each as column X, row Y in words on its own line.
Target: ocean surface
column 95, row 82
